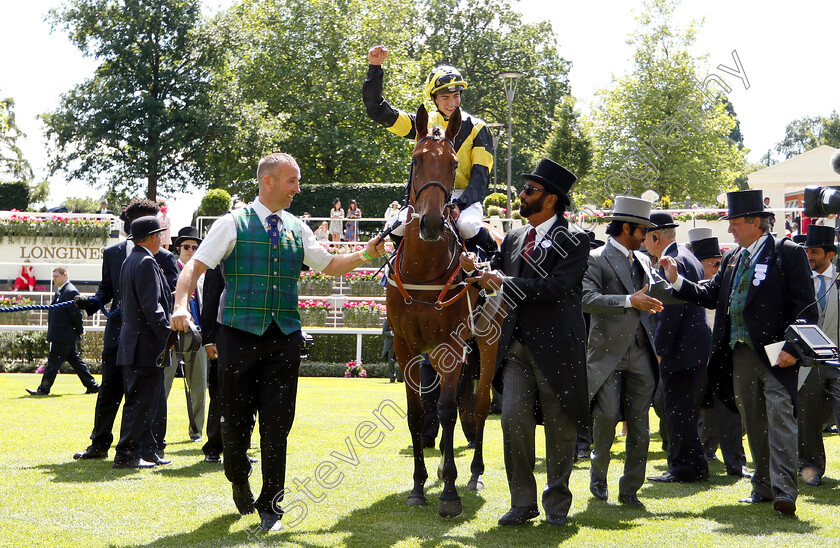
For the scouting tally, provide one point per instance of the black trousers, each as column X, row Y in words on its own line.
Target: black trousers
column 681, row 399
column 61, row 352
column 258, row 374
column 213, row 445
column 107, row 400
column 143, row 387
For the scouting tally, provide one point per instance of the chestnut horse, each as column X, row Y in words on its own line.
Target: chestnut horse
column 428, row 310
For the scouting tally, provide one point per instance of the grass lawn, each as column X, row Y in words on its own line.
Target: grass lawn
column 48, row 499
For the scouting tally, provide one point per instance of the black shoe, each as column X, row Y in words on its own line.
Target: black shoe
column 133, row 463
column 711, row 457
column 599, row 489
column 582, row 453
column 755, row 498
column 744, row 472
column 631, row 500
column 393, row 381
column 37, row 392
column 269, row 521
column 160, row 461
column 213, row 458
column 243, row 498
column 785, row 504
column 667, row 477
column 91, row 453
column 92, row 389
column 518, row 515
column 556, row 519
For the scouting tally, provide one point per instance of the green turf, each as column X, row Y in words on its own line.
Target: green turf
column 48, row 499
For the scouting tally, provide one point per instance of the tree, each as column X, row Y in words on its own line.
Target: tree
column 304, row 63
column 146, row 113
column 809, row 132
column 656, row 127
column 568, row 144
column 12, row 163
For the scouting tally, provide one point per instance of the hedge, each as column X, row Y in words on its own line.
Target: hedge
column 373, row 198
column 24, row 351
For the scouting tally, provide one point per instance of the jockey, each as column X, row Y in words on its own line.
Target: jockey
column 472, row 144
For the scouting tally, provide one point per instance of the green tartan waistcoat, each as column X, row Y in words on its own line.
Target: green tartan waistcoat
column 262, row 278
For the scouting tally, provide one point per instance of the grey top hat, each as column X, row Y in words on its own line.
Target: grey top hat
column 700, row 233
column 144, row 226
column 631, row 210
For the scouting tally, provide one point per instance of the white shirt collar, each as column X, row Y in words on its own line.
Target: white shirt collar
column 756, row 246
column 263, row 212
column 543, row 228
column 829, row 273
column 621, row 249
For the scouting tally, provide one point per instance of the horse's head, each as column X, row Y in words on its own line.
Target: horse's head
column 433, row 164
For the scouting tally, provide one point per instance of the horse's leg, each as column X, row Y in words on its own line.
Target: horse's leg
column 410, row 366
column 450, row 366
column 482, row 409
column 466, row 394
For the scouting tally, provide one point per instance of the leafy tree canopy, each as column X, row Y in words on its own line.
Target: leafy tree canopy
column 13, row 166
column 656, row 128
column 809, row 132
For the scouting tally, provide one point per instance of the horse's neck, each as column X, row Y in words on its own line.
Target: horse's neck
column 422, row 259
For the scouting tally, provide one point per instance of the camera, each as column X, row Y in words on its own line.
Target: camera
column 813, row 347
column 823, row 201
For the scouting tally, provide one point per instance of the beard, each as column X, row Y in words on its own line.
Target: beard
column 526, row 209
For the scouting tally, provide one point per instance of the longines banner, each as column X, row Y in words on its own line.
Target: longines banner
column 84, row 261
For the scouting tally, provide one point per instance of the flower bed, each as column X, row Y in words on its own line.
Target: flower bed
column 363, row 314
column 314, row 283
column 353, row 369
column 25, row 228
column 14, row 318
column 313, row 313
column 365, row 283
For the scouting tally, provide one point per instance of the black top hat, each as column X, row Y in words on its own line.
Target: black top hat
column 186, row 233
column 662, row 219
column 594, row 243
column 820, row 236
column 746, row 203
column 144, row 226
column 555, row 178
column 799, row 239
column 706, row 248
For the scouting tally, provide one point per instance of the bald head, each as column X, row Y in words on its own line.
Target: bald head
column 268, row 164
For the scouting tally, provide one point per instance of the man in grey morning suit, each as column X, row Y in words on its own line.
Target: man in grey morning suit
column 819, row 392
column 762, row 287
column 621, row 359
column 541, row 356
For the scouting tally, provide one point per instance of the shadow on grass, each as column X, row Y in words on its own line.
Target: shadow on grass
column 391, row 519
column 216, row 531
column 88, row 471
column 749, row 520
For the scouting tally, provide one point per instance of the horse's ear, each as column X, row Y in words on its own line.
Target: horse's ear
column 454, row 124
column 421, row 122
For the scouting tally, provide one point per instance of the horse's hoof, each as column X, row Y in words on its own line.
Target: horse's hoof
column 415, row 500
column 475, row 484
column 449, row 508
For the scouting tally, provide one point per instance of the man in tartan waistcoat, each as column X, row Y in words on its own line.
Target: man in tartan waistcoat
column 261, row 249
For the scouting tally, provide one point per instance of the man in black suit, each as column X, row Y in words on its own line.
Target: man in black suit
column 541, row 358
column 111, row 392
column 147, row 308
column 682, row 340
column 64, row 331
column 762, row 287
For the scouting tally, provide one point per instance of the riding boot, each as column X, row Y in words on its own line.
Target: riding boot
column 483, row 244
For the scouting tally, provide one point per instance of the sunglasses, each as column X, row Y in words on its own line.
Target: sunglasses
column 189, row 247
column 528, row 190
column 715, row 264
